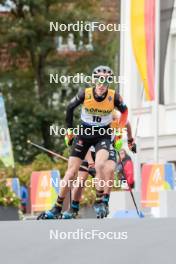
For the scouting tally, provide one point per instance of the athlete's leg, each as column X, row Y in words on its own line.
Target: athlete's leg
column 110, row 167
column 79, row 151
column 102, row 155
column 102, row 149
column 109, row 170
column 73, row 167
column 100, row 160
column 82, row 177
column 78, row 188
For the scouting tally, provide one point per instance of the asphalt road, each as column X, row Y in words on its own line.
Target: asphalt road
column 143, row 241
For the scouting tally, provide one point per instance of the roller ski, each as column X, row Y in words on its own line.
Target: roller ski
column 100, row 210
column 72, row 213
column 54, row 213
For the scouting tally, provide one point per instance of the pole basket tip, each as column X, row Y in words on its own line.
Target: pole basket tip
column 28, row 141
column 141, row 214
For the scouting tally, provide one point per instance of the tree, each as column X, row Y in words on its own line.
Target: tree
column 31, row 54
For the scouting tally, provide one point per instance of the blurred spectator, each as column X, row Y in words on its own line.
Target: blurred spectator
column 24, row 199
column 126, row 172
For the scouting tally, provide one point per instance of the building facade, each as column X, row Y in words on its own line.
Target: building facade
column 141, row 112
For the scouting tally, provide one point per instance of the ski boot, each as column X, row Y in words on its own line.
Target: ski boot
column 54, row 213
column 106, row 203
column 107, row 210
column 100, row 210
column 70, row 214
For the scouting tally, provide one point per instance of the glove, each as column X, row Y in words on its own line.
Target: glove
column 92, row 171
column 132, row 145
column 118, row 142
column 69, row 137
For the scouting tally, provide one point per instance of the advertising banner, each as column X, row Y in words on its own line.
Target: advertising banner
column 155, row 178
column 44, row 189
column 14, row 185
column 6, row 154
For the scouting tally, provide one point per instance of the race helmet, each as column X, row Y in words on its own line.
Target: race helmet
column 102, row 74
column 102, row 71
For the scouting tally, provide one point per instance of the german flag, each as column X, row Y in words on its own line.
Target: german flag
column 143, row 40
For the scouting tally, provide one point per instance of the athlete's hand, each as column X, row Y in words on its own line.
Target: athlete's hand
column 69, row 137
column 132, row 145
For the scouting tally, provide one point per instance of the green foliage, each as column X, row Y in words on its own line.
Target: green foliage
column 23, row 172
column 7, row 197
column 42, row 162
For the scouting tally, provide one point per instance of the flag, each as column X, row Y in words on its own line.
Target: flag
column 6, row 154
column 143, row 34
column 143, row 41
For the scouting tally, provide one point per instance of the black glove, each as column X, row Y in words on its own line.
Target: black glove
column 132, row 145
column 92, row 171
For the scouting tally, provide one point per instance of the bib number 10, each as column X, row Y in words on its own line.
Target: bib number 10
column 97, row 119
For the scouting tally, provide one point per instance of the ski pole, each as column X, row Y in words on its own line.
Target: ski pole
column 53, row 153
column 47, row 150
column 131, row 192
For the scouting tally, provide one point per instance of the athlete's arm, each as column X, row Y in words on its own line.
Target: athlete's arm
column 129, row 130
column 119, row 104
column 76, row 101
column 131, row 143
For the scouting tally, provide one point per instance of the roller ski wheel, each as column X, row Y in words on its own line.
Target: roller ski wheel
column 52, row 214
column 100, row 210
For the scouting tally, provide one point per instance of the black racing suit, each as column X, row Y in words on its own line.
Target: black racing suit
column 83, row 142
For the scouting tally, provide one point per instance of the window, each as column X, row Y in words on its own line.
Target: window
column 69, row 43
